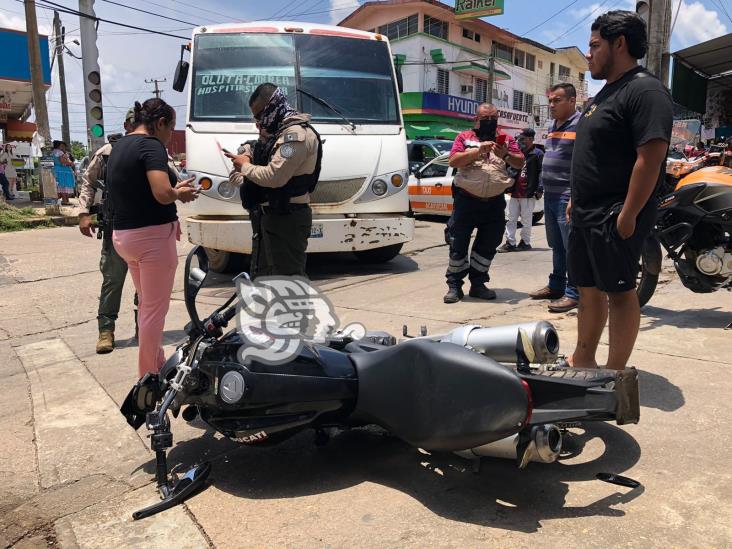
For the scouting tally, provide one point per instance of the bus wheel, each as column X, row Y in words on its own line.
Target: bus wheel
column 220, row 261
column 379, row 255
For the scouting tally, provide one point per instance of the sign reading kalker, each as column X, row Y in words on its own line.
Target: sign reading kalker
column 471, row 9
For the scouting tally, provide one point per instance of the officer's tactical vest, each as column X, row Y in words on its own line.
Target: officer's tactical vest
column 300, row 184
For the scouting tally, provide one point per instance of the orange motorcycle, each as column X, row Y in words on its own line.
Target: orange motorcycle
column 694, row 227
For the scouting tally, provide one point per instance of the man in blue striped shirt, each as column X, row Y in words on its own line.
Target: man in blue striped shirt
column 555, row 180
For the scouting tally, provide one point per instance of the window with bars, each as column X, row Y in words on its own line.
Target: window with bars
column 443, row 81
column 523, row 101
column 470, row 35
column 502, row 51
column 436, row 27
column 401, row 28
column 481, row 90
column 525, row 60
column 564, row 72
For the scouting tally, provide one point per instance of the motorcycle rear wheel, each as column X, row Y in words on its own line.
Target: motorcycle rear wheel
column 646, row 285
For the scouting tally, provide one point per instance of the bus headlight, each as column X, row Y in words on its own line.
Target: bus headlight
column 226, row 189
column 397, row 180
column 379, row 187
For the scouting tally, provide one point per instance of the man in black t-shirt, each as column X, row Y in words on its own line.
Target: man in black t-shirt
column 621, row 146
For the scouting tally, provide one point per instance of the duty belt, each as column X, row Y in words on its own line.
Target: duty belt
column 278, row 211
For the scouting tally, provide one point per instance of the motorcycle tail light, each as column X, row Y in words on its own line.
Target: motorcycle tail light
column 530, row 405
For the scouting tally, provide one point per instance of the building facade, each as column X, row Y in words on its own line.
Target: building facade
column 447, row 66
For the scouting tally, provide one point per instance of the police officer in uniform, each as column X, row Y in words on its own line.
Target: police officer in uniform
column 111, row 265
column 278, row 189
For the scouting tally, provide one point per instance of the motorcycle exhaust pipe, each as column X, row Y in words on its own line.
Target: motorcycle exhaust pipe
column 545, row 444
column 499, row 343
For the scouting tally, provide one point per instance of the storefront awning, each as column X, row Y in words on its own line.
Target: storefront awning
column 481, row 71
column 19, row 131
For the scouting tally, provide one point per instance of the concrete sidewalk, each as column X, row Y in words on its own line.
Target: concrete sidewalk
column 73, row 471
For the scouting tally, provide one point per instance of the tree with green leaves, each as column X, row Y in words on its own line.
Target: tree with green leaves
column 78, row 150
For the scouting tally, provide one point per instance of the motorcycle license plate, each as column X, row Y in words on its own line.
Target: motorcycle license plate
column 316, row 231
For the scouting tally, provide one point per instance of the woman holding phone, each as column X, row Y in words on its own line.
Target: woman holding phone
column 143, row 191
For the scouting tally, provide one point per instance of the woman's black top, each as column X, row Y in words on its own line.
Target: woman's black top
column 133, row 202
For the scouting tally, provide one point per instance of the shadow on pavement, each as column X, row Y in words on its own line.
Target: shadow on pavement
column 658, row 392
column 503, row 295
column 500, row 495
column 686, row 318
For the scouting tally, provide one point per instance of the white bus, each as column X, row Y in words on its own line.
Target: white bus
column 343, row 78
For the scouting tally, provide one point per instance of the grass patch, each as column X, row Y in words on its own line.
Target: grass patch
column 16, row 219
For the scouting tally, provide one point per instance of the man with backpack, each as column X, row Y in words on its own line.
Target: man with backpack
column 111, row 265
column 621, row 146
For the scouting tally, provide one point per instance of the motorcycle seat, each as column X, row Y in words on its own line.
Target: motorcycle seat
column 438, row 396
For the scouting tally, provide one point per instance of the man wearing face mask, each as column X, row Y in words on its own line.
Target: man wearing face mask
column 482, row 156
column 286, row 176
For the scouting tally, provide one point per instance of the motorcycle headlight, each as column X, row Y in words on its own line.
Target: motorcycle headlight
column 379, row 187
column 226, row 189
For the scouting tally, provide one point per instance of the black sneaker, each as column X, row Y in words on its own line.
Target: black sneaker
column 481, row 292
column 453, row 295
column 507, row 247
column 523, row 246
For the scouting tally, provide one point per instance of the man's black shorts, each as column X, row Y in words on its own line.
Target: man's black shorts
column 598, row 258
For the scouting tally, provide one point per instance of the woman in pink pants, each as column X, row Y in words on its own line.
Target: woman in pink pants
column 143, row 191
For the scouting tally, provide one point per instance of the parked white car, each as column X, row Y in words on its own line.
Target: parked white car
column 430, row 190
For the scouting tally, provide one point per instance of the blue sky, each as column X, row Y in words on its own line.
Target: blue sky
column 129, row 57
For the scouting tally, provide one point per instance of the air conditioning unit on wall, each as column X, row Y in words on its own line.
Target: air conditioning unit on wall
column 466, row 89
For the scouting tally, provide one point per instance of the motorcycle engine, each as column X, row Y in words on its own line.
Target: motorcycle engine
column 715, row 262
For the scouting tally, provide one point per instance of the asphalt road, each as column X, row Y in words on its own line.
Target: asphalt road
column 71, row 471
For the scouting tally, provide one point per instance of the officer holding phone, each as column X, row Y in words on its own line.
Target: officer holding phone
column 482, row 156
column 288, row 173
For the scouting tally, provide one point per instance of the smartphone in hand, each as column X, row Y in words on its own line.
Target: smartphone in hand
column 501, row 140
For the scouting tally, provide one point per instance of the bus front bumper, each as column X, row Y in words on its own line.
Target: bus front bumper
column 329, row 234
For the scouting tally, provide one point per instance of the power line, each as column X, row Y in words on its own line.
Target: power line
column 48, row 5
column 226, row 15
column 723, row 8
column 150, row 13
column 550, row 18
column 585, row 18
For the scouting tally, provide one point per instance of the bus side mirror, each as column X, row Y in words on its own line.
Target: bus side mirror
column 181, row 75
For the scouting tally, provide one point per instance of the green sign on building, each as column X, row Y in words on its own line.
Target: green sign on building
column 471, row 9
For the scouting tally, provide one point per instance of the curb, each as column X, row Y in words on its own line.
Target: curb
column 57, row 220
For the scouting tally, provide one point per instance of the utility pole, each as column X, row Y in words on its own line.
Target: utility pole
column 60, row 37
column 92, row 76
column 491, row 79
column 46, row 180
column 157, row 90
column 657, row 15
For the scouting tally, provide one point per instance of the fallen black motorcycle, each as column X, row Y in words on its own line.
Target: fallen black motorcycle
column 694, row 227
column 476, row 391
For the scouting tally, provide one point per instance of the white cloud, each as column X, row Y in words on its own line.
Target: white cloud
column 18, row 23
column 697, row 24
column 598, row 8
column 340, row 9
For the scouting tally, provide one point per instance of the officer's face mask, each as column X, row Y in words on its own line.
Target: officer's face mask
column 487, row 129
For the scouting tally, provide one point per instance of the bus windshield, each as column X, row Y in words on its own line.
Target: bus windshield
column 352, row 75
